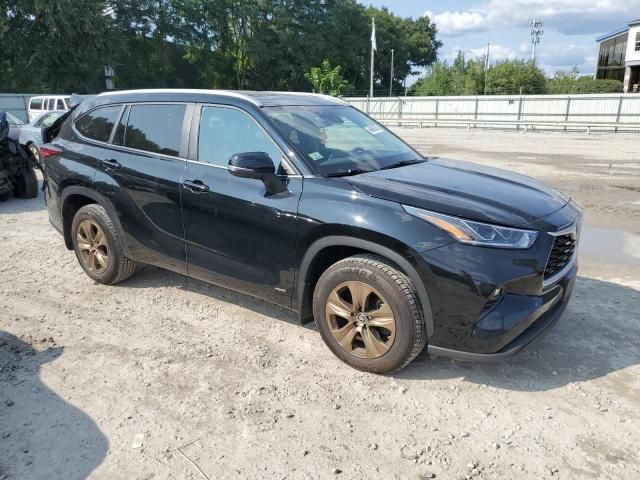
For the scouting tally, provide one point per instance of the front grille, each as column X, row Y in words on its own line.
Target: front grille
column 562, row 252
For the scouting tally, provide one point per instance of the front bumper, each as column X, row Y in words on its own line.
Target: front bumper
column 489, row 303
column 537, row 322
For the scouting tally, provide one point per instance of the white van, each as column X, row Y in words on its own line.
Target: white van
column 38, row 105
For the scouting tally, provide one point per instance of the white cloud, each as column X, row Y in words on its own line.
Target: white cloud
column 565, row 16
column 497, row 53
column 551, row 58
column 452, row 24
column 564, row 57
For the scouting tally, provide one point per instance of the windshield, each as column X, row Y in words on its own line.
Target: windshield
column 340, row 140
column 14, row 121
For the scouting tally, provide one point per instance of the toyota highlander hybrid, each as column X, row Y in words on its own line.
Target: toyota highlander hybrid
column 306, row 202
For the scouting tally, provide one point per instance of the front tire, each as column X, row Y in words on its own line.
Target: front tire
column 98, row 246
column 26, row 184
column 367, row 312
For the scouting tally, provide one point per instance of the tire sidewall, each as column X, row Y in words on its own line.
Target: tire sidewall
column 26, row 184
column 86, row 213
column 35, row 153
column 397, row 355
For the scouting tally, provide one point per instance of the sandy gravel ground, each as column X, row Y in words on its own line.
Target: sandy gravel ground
column 168, row 377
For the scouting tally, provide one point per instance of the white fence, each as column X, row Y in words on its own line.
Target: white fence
column 603, row 111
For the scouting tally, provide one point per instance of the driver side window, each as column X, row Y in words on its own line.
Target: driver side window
column 227, row 131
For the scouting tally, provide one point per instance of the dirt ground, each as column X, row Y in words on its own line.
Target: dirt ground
column 168, row 377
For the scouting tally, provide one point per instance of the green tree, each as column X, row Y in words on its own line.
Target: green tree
column 439, row 81
column 572, row 83
column 413, row 41
column 252, row 44
column 328, row 80
column 54, row 45
column 512, row 77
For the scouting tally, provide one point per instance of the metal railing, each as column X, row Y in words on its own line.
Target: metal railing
column 616, row 112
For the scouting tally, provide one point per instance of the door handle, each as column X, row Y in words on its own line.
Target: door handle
column 111, row 164
column 195, row 186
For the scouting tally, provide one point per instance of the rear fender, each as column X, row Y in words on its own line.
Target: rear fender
column 97, row 198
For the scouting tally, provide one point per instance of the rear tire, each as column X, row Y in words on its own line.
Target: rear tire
column 98, row 246
column 26, row 184
column 35, row 154
column 368, row 313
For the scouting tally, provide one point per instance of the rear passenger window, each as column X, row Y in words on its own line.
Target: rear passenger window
column 36, row 104
column 97, row 124
column 155, row 128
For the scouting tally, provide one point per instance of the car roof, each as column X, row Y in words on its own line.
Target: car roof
column 49, row 96
column 258, row 99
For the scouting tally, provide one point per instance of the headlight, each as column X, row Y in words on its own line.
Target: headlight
column 476, row 233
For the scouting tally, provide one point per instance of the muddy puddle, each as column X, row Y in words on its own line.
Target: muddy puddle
column 612, row 246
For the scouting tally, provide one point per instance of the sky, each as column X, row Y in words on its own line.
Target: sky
column 570, row 27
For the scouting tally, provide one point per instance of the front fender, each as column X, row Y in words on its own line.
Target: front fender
column 303, row 286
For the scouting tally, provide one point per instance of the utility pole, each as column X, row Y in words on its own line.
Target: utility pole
column 536, row 33
column 486, row 68
column 373, row 49
column 391, row 76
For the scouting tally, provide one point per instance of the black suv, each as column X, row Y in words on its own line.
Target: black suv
column 304, row 201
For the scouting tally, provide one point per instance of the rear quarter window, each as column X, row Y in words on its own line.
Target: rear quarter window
column 97, row 124
column 155, row 128
column 35, row 104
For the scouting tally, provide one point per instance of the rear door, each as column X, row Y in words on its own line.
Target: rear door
column 236, row 234
column 140, row 172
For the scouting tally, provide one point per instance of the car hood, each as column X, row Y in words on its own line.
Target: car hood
column 465, row 190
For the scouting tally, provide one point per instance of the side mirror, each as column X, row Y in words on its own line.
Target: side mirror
column 257, row 165
column 251, row 165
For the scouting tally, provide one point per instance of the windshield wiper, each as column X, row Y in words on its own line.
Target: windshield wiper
column 403, row 163
column 347, row 173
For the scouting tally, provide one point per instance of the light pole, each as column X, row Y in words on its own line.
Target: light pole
column 486, row 68
column 391, row 76
column 373, row 49
column 536, row 33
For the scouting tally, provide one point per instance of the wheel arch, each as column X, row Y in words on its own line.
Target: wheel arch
column 341, row 246
column 75, row 197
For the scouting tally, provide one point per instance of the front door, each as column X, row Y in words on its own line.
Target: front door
column 237, row 235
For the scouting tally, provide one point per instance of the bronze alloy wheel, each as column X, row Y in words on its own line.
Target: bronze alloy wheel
column 93, row 247
column 360, row 319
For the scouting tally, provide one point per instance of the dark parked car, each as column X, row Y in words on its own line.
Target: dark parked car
column 306, row 202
